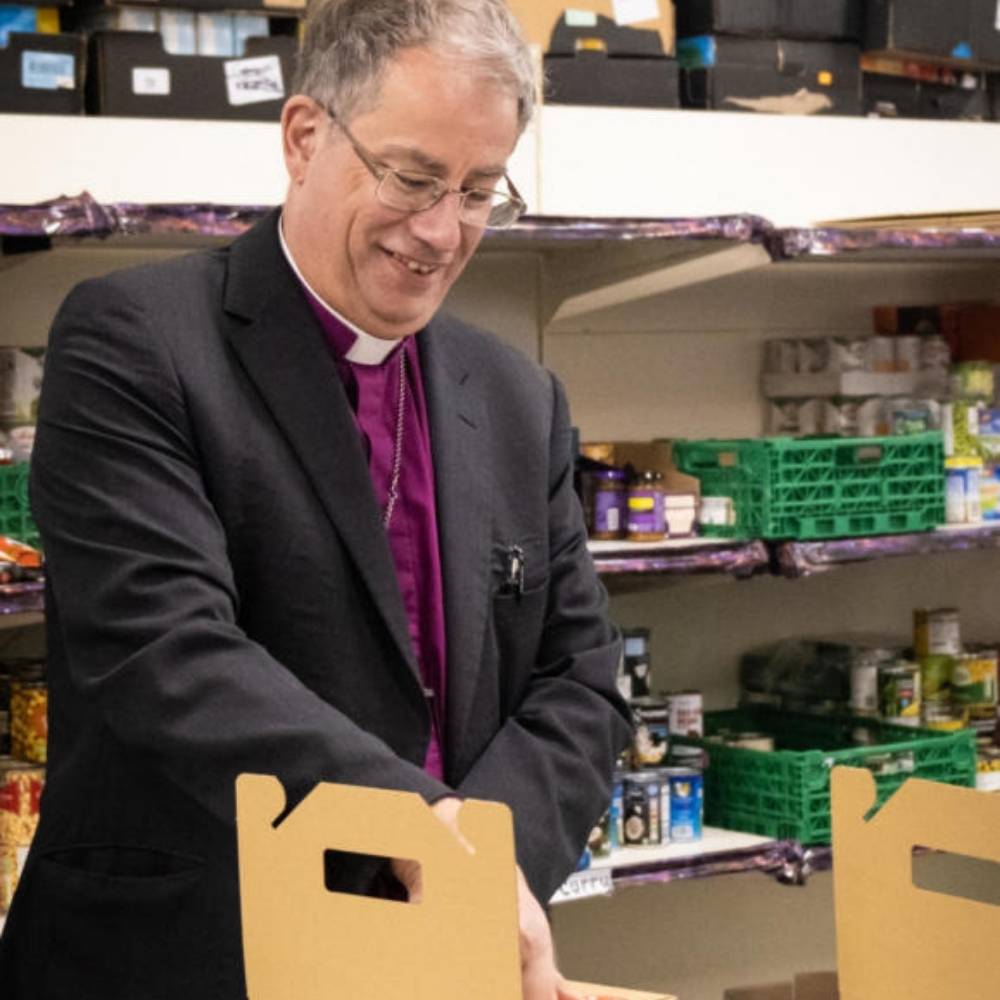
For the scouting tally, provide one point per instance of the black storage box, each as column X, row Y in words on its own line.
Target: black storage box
column 888, row 96
column 131, row 75
column 956, row 31
column 610, row 65
column 42, row 74
column 814, row 19
column 772, row 75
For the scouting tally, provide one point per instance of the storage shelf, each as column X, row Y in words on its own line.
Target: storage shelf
column 799, row 559
column 680, row 556
column 719, row 852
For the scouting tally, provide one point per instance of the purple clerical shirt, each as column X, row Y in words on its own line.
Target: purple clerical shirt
column 369, row 368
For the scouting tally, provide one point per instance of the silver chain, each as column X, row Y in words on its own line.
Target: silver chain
column 397, row 458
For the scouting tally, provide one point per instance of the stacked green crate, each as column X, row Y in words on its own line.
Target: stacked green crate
column 809, row 488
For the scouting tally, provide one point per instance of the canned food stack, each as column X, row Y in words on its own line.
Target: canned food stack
column 867, row 386
column 658, row 795
column 23, row 741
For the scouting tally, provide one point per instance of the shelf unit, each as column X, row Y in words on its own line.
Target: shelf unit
column 612, row 274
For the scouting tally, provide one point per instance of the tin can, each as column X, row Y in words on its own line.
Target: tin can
column 665, row 810
column 686, row 804
column 864, row 685
column 936, row 633
column 646, row 520
column 935, row 679
column 29, row 727
column 899, row 693
column 682, row 755
column 974, row 680
column 642, row 809
column 599, row 841
column 686, row 714
column 20, row 794
column 651, row 738
column 609, row 493
column 944, row 718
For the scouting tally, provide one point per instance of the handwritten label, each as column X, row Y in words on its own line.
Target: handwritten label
column 151, row 81
column 634, row 11
column 48, row 71
column 585, row 885
column 253, row 81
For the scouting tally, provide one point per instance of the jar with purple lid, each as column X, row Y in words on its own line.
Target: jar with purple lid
column 609, row 505
column 646, row 520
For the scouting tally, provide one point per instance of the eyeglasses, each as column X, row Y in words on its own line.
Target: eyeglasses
column 412, row 191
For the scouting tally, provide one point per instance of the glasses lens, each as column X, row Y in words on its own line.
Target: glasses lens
column 503, row 213
column 409, row 192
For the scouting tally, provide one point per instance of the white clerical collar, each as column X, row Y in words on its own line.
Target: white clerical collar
column 366, row 350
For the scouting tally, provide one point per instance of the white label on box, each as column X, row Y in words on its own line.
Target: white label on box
column 251, row 81
column 634, row 11
column 48, row 71
column 585, row 885
column 580, row 19
column 151, row 81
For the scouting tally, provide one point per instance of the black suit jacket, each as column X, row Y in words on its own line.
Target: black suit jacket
column 223, row 599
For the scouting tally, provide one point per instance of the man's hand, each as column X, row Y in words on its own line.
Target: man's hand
column 540, row 979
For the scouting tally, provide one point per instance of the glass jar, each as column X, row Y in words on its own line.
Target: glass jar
column 608, row 520
column 29, row 728
column 646, row 517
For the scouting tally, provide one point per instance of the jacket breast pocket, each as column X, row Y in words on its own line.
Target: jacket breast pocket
column 520, row 595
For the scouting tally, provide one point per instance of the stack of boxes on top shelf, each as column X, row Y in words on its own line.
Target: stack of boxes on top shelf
column 887, row 58
column 222, row 59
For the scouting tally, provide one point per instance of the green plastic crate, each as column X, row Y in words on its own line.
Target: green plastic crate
column 15, row 511
column 806, row 488
column 785, row 793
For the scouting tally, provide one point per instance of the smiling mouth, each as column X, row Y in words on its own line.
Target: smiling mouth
column 414, row 266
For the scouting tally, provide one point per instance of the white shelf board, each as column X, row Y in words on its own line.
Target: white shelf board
column 793, row 171
column 627, row 548
column 163, row 161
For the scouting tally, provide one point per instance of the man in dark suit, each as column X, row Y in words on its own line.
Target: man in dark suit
column 298, row 523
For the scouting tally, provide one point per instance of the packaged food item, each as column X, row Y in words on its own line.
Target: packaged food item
column 686, row 713
column 882, row 354
column 651, row 739
column 717, row 511
column 637, row 660
column 905, row 415
column 687, row 793
column 944, row 718
column 853, row 417
column 974, row 680
column 609, row 493
column 795, row 417
column 646, row 518
column 781, row 357
column 899, row 693
column 908, row 351
column 972, row 380
column 989, row 492
column 963, row 504
column 29, row 728
column 642, row 809
column 751, row 741
column 681, row 513
column 21, row 786
column 935, row 679
column 21, row 371
column 960, row 424
column 936, row 632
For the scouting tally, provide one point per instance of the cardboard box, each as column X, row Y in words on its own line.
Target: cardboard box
column 779, row 76
column 132, row 75
column 808, row 986
column 303, row 941
column 609, row 65
column 640, row 455
column 539, row 18
column 832, row 19
column 42, row 74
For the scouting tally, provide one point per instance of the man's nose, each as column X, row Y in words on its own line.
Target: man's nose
column 439, row 225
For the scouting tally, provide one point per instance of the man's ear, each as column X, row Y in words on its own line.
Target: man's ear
column 301, row 121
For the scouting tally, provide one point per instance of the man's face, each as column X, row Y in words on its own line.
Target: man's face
column 357, row 253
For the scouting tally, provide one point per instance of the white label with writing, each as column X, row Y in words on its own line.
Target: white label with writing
column 252, row 81
column 48, row 71
column 151, row 81
column 634, row 11
column 580, row 19
column 585, row 885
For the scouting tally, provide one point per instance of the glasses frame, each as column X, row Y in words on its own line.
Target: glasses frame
column 380, row 171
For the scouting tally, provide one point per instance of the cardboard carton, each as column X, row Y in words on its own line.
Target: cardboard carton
column 302, row 941
column 538, row 18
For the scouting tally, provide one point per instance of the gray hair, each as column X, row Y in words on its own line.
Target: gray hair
column 348, row 45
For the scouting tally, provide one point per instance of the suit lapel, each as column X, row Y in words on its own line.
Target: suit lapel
column 459, row 429
column 281, row 347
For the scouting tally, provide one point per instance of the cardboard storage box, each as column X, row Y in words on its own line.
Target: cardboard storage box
column 830, row 19
column 890, row 96
column 130, row 74
column 780, row 76
column 539, row 18
column 42, row 74
column 609, row 65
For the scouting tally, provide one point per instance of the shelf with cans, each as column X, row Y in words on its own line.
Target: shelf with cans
column 748, row 788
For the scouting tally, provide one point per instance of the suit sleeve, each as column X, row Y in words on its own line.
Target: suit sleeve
column 145, row 602
column 553, row 759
